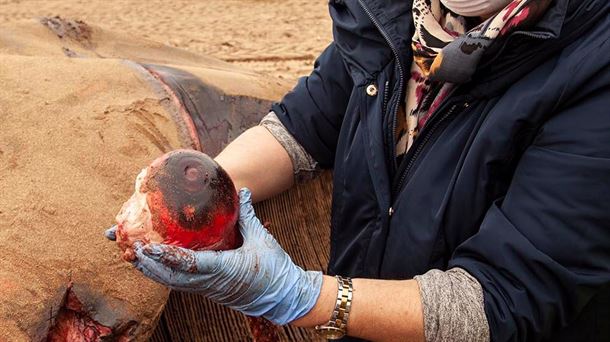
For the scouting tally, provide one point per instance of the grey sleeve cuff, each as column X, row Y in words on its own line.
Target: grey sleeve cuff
column 304, row 166
column 453, row 306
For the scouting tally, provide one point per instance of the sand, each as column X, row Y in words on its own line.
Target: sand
column 69, row 145
column 280, row 38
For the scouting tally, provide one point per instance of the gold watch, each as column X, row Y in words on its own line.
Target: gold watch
column 336, row 328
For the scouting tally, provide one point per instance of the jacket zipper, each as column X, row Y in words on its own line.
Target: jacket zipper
column 423, row 141
column 385, row 96
column 428, row 134
column 386, row 141
column 400, row 74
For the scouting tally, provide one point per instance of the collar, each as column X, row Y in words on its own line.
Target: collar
column 563, row 23
column 553, row 20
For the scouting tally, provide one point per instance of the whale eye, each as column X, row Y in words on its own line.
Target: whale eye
column 192, row 200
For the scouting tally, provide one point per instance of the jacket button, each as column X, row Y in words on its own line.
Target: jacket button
column 371, row 90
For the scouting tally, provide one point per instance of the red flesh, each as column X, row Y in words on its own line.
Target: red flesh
column 262, row 330
column 74, row 324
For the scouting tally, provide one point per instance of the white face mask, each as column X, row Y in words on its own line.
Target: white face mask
column 475, row 8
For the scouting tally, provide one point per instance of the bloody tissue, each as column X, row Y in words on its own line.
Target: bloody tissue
column 182, row 198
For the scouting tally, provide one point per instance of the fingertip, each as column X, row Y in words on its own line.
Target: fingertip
column 245, row 196
column 138, row 253
column 173, row 257
column 110, row 233
column 138, row 245
column 142, row 251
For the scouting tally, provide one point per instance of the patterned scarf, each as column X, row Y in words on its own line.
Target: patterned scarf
column 446, row 54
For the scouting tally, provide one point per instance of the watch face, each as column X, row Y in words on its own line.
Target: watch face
column 330, row 333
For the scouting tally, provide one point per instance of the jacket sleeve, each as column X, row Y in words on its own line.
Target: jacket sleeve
column 543, row 251
column 313, row 111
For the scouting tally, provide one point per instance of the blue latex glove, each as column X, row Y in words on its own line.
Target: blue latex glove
column 258, row 279
column 110, row 233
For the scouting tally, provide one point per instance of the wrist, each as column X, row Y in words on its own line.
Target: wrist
column 298, row 297
column 324, row 306
column 336, row 327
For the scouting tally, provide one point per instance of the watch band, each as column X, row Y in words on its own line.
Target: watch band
column 336, row 327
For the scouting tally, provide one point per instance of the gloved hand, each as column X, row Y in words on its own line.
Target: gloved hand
column 110, row 233
column 258, row 279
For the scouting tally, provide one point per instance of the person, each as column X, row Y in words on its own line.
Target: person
column 470, row 148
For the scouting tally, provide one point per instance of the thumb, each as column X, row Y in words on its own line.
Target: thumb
column 245, row 203
column 249, row 225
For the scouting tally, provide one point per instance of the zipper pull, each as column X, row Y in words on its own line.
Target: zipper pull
column 390, row 211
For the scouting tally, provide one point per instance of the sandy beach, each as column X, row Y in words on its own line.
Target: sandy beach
column 278, row 38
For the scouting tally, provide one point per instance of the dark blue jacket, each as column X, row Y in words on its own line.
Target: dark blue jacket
column 509, row 179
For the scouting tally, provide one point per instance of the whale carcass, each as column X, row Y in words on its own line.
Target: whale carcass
column 82, row 110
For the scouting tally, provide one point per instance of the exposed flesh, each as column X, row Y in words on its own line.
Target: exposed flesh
column 134, row 221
